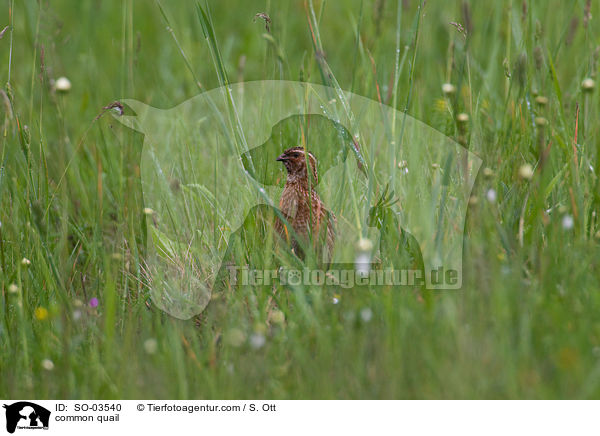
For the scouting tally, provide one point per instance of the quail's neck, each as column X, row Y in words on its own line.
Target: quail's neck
column 297, row 178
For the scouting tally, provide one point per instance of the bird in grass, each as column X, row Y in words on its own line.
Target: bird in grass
column 300, row 204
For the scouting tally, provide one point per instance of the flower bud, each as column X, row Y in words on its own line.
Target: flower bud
column 526, row 172
column 448, row 89
column 588, row 85
column 62, row 84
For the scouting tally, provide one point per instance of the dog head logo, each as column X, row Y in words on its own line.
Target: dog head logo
column 209, row 161
column 26, row 415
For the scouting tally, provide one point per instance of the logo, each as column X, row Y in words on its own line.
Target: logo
column 26, row 415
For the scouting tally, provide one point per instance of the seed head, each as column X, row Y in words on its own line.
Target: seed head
column 150, row 345
column 235, row 337
column 47, row 364
column 448, row 89
column 278, row 317
column 541, row 100
column 562, row 209
column 488, row 173
column 462, row 118
column 538, row 57
column 588, row 85
column 526, row 172
column 257, row 340
column 364, row 245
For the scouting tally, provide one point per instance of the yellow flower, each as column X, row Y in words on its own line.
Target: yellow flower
column 440, row 105
column 41, row 313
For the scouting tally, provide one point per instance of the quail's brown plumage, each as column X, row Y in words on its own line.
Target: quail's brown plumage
column 302, row 208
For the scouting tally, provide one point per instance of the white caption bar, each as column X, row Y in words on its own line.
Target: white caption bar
column 264, row 417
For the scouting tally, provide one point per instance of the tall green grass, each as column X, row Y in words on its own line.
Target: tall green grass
column 525, row 324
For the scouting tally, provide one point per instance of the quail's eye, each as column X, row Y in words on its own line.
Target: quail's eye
column 296, row 154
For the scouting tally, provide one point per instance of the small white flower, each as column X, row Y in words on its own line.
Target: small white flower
column 526, row 172
column 13, row 288
column 588, row 84
column 62, row 84
column 25, row 262
column 491, row 196
column 150, row 345
column 257, row 340
column 77, row 315
column 148, row 211
column 366, row 314
column 448, row 88
column 47, row 364
column 362, row 263
column 567, row 222
column 335, row 300
column 364, row 244
column 462, row 118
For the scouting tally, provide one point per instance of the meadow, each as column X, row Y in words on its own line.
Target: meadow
column 513, row 81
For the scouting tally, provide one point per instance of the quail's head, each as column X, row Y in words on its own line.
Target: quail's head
column 294, row 159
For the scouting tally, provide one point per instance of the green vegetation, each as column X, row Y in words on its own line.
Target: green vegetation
column 76, row 320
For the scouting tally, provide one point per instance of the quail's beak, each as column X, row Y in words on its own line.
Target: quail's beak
column 282, row 158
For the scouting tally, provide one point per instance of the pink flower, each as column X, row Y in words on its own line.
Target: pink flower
column 93, row 302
